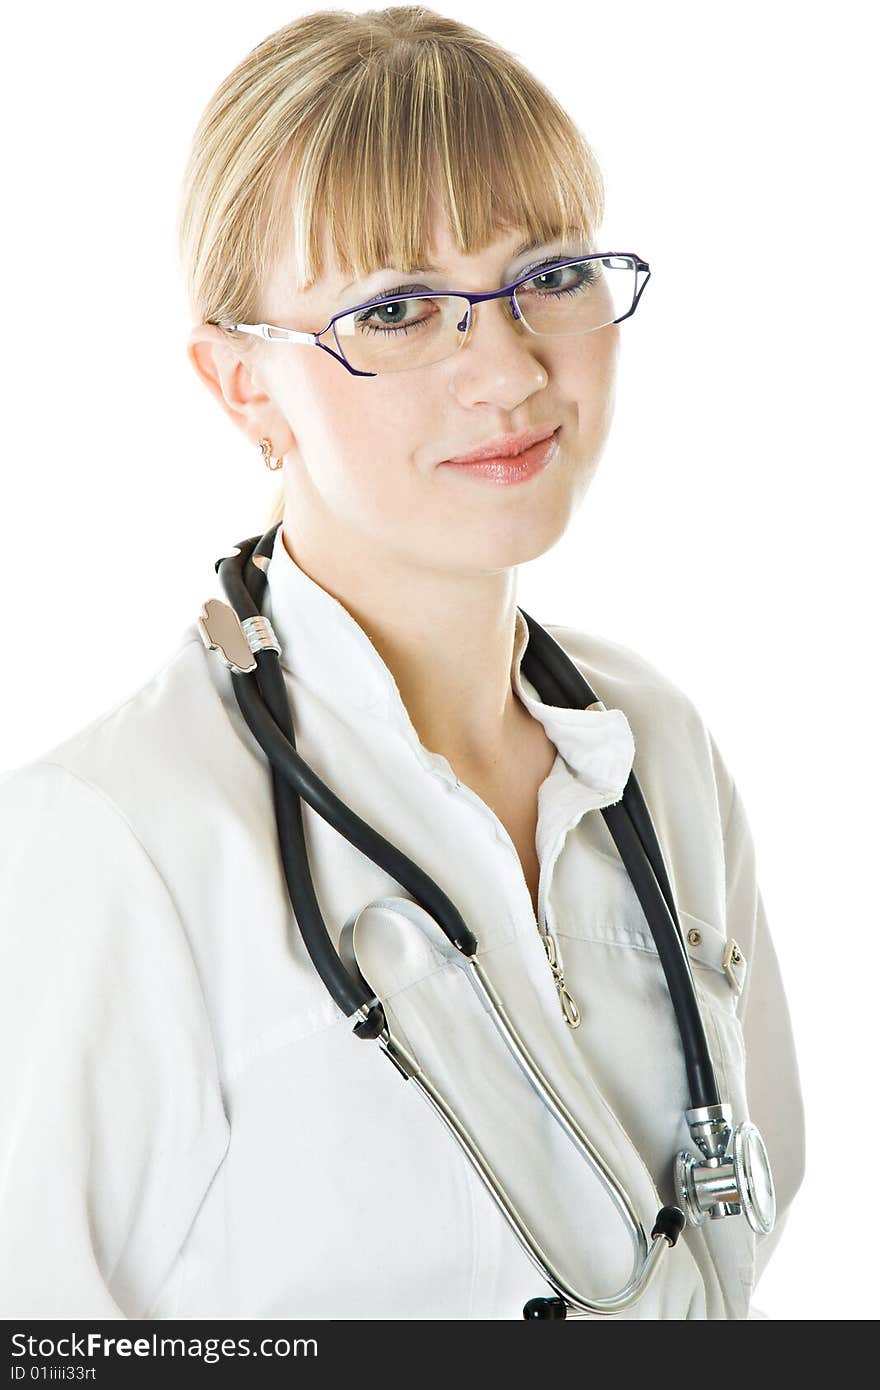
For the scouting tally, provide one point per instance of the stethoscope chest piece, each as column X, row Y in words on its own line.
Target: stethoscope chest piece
column 733, row 1176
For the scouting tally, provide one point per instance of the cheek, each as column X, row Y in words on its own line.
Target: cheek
column 361, row 436
column 587, row 379
column 588, row 371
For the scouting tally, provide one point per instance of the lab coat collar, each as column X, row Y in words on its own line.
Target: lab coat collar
column 326, row 649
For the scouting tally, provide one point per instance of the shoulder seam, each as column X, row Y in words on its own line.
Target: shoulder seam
column 126, row 700
column 729, row 816
column 114, row 806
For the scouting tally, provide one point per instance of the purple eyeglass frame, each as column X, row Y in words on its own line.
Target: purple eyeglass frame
column 292, row 335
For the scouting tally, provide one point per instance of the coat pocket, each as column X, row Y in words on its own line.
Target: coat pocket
column 721, row 963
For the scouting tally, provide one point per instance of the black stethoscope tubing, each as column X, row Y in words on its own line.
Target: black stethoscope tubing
column 265, row 707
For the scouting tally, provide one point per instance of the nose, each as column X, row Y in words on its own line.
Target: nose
column 500, row 360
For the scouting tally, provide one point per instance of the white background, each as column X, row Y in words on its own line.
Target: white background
column 728, row 536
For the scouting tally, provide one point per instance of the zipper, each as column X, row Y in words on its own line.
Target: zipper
column 570, row 1011
column 567, row 1003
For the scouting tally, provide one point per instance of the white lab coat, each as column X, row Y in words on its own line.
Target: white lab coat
column 189, row 1128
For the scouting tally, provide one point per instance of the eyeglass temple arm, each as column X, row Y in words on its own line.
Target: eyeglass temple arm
column 272, row 333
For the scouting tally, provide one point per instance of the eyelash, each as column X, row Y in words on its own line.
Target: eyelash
column 413, row 289
column 548, row 260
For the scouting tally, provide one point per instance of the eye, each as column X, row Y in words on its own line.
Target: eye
column 395, row 316
column 552, row 283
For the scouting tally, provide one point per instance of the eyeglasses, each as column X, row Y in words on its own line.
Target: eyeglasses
column 402, row 332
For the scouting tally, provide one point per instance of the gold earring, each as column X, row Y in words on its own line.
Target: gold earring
column 266, row 446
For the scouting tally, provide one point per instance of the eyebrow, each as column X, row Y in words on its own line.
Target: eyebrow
column 438, row 270
column 520, row 250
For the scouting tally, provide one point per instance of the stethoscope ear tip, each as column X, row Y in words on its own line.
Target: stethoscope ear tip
column 372, row 1023
column 545, row 1308
column 670, row 1223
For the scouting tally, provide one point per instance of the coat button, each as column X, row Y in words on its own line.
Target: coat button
column 695, row 936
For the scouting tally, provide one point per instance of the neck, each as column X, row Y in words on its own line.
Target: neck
column 446, row 638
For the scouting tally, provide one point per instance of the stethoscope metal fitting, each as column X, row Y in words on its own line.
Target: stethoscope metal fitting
column 731, row 1178
column 734, row 1175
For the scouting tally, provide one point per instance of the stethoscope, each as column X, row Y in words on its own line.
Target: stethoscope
column 733, row 1175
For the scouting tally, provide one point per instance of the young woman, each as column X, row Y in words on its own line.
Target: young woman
column 190, row 1128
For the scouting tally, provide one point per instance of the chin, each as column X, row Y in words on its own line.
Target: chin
column 512, row 541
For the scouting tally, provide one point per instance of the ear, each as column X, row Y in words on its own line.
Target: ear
column 235, row 382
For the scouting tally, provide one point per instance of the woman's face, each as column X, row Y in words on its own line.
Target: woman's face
column 364, row 454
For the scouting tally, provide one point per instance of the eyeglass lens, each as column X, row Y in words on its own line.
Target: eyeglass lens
column 396, row 335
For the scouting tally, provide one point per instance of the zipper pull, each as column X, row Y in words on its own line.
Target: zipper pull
column 570, row 1011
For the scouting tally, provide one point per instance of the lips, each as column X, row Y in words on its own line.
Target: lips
column 505, row 446
column 505, row 469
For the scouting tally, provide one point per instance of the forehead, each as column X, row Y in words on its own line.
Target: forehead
column 443, row 259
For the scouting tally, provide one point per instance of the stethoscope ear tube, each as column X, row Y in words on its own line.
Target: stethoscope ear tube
column 558, row 681
column 347, row 993
column 573, row 688
column 266, row 710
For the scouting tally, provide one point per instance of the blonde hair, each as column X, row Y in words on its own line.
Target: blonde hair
column 348, row 126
